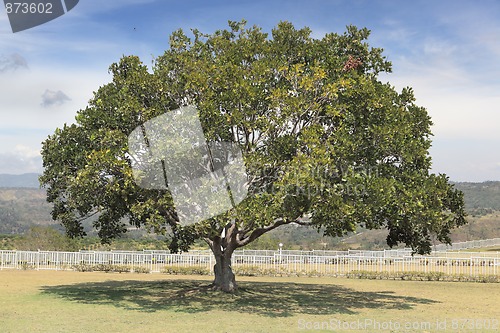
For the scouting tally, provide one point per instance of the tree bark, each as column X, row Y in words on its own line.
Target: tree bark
column 224, row 279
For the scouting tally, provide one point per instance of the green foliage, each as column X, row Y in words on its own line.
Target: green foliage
column 7, row 242
column 123, row 244
column 82, row 267
column 120, row 269
column 268, row 241
column 141, row 270
column 423, row 276
column 324, row 142
column 108, row 268
column 26, row 266
column 45, row 239
column 185, row 270
column 249, row 270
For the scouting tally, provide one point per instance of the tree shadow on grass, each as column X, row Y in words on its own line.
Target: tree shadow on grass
column 273, row 299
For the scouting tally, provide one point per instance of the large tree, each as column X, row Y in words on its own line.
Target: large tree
column 325, row 143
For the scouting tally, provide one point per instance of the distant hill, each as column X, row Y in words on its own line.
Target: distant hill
column 27, row 180
column 23, row 204
column 21, row 208
column 481, row 198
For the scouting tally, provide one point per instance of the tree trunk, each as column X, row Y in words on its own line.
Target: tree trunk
column 224, row 277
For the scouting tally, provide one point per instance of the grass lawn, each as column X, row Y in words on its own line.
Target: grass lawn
column 49, row 301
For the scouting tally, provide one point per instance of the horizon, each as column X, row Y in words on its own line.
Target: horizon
column 39, row 174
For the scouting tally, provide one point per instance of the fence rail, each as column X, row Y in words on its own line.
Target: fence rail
column 321, row 262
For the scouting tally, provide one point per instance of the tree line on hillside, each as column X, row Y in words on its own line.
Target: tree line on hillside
column 48, row 238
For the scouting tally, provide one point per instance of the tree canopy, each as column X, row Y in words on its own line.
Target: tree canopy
column 325, row 143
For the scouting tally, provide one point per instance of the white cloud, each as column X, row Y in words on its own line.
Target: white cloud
column 438, row 47
column 454, row 71
column 26, row 123
column 20, row 96
column 465, row 113
column 12, row 62
column 476, row 24
column 462, row 97
column 394, row 31
column 26, row 151
column 22, row 160
column 51, row 98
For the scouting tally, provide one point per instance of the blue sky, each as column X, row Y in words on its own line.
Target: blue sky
column 448, row 51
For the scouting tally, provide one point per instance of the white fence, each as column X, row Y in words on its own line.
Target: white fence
column 313, row 262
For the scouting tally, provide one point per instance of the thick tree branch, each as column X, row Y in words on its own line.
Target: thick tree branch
column 258, row 232
column 87, row 216
column 303, row 223
column 209, row 242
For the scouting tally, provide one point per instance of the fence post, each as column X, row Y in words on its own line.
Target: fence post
column 470, row 267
